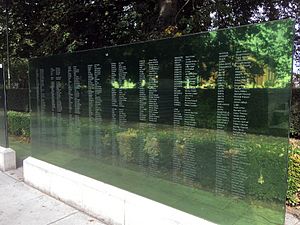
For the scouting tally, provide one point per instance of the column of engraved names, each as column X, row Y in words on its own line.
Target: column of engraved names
column 91, row 98
column 77, row 104
column 177, row 115
column 114, row 106
column 98, row 107
column 95, row 101
column 59, row 126
column 74, row 103
column 240, row 124
column 70, row 92
column 153, row 91
column 143, row 110
column 42, row 92
column 52, row 91
column 122, row 72
column 142, row 91
column 222, row 125
column 42, row 104
column 190, row 113
column 153, row 108
column 53, row 135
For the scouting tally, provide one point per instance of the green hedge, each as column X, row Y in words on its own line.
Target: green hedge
column 293, row 194
column 264, row 154
column 18, row 123
column 295, row 113
column 148, row 147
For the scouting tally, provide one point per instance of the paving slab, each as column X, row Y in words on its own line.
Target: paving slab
column 21, row 204
column 37, row 211
column 16, row 174
column 4, row 181
column 77, row 218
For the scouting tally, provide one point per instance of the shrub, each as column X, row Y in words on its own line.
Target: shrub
column 293, row 197
column 264, row 153
column 18, row 123
column 151, row 147
column 295, row 113
column 126, row 140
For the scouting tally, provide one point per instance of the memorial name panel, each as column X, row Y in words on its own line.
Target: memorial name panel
column 193, row 122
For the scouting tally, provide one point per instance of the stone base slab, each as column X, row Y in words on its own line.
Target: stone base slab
column 105, row 202
column 7, row 159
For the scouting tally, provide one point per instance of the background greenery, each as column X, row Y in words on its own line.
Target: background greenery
column 45, row 27
column 293, row 197
column 263, row 157
column 138, row 150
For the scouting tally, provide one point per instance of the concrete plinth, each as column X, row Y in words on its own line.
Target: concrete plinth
column 103, row 201
column 7, row 159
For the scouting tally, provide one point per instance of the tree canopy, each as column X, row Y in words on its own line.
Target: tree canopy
column 45, row 27
column 41, row 27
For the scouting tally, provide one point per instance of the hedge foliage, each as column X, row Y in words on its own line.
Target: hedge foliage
column 168, row 153
column 18, row 123
column 295, row 113
column 264, row 154
column 293, row 194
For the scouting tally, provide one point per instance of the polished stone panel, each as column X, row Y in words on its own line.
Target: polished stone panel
column 199, row 123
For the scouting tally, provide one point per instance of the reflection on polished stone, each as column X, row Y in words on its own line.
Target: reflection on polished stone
column 199, row 123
